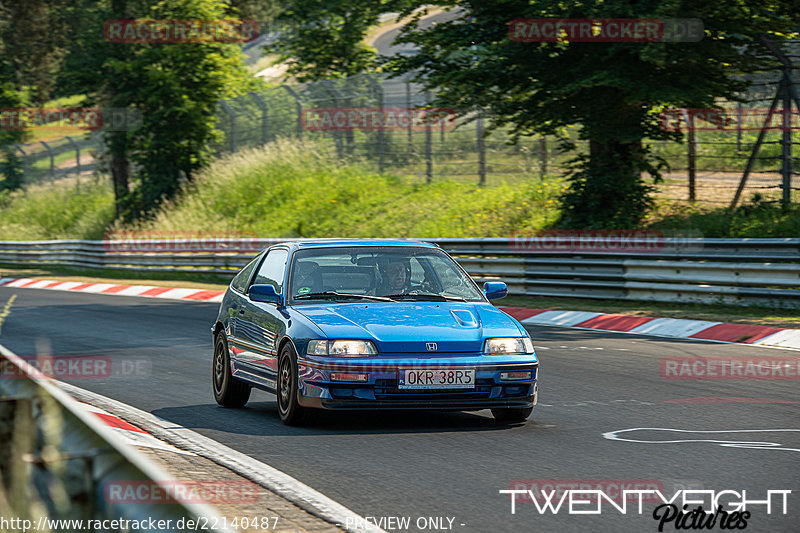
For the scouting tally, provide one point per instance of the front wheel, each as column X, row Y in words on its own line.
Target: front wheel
column 512, row 414
column 228, row 391
column 292, row 413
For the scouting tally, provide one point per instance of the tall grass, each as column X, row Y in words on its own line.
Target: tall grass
column 291, row 189
column 56, row 212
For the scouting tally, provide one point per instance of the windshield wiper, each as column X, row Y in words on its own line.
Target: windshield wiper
column 426, row 297
column 334, row 295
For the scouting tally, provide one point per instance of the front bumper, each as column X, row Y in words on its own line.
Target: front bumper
column 381, row 390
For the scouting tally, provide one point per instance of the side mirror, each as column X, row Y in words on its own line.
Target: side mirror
column 266, row 294
column 495, row 290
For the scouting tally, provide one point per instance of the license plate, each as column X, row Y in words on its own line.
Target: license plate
column 436, row 378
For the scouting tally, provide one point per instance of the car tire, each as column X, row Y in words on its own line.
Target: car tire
column 290, row 410
column 228, row 391
column 512, row 414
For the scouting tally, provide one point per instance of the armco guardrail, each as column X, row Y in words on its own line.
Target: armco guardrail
column 57, row 458
column 733, row 271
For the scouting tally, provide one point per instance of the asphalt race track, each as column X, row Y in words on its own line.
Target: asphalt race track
column 452, row 465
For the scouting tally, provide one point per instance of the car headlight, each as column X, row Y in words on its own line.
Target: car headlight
column 508, row 345
column 341, row 348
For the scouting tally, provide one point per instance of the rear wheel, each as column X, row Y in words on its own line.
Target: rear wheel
column 292, row 413
column 512, row 414
column 228, row 391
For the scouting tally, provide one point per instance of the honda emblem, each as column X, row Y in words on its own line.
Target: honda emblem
column 431, row 346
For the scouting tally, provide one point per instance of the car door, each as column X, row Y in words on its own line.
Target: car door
column 261, row 324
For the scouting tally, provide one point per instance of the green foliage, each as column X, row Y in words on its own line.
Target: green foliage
column 42, row 213
column 615, row 91
column 326, row 39
column 754, row 219
column 291, row 190
column 10, row 163
column 175, row 87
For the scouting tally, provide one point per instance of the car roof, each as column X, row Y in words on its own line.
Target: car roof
column 322, row 243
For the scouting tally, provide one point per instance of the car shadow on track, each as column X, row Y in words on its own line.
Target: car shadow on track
column 260, row 418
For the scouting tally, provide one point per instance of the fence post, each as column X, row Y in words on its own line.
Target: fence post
column 786, row 141
column 691, row 154
column 337, row 135
column 376, row 87
column 479, row 131
column 52, row 160
column 232, row 137
column 263, row 106
column 542, row 157
column 24, row 161
column 738, row 126
column 428, row 143
column 408, row 107
column 299, row 110
column 77, row 149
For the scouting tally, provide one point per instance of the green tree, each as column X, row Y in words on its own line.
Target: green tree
column 612, row 91
column 325, row 38
column 12, row 96
column 175, row 88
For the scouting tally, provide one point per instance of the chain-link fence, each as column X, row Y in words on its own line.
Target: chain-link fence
column 378, row 120
column 381, row 120
column 71, row 157
column 706, row 167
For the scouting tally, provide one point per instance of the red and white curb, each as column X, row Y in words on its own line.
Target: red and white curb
column 131, row 434
column 661, row 327
column 146, row 291
column 643, row 325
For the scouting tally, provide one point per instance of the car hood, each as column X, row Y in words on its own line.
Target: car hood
column 402, row 327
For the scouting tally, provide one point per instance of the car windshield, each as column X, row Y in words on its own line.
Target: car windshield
column 384, row 273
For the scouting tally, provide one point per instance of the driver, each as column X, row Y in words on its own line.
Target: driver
column 397, row 276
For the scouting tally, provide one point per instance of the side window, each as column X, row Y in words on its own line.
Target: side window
column 272, row 270
column 239, row 282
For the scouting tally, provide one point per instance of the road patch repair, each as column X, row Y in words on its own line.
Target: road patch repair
column 661, row 327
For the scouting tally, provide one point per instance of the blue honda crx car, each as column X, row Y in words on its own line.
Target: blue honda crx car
column 369, row 324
